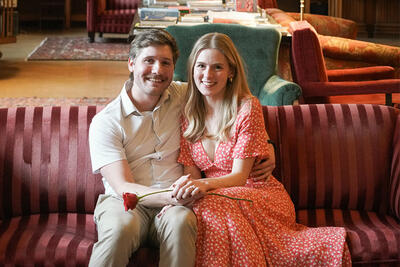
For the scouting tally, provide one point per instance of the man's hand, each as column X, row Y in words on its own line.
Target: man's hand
column 263, row 168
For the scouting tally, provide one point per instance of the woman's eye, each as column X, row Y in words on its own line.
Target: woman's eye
column 149, row 60
column 200, row 66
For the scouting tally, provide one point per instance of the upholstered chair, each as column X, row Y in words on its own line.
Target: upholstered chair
column 318, row 83
column 336, row 37
column 258, row 47
column 110, row 16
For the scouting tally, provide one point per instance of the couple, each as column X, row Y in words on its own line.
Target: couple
column 135, row 141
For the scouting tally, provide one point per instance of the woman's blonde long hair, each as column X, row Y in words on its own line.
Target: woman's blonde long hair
column 236, row 90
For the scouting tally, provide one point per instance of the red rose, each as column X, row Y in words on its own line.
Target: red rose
column 130, row 201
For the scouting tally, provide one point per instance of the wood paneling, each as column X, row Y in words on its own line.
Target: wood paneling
column 75, row 10
column 381, row 17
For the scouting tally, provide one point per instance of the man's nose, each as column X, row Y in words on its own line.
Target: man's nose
column 156, row 67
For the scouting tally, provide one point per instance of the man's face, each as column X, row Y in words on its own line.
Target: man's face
column 153, row 69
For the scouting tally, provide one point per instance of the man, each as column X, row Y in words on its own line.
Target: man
column 134, row 143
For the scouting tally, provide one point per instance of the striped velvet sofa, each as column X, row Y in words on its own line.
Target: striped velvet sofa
column 340, row 164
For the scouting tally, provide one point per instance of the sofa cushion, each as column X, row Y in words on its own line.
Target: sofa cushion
column 372, row 238
column 64, row 239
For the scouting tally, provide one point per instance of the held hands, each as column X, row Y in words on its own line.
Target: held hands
column 187, row 188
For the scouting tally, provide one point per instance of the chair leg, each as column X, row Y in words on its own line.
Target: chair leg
column 388, row 100
column 91, row 37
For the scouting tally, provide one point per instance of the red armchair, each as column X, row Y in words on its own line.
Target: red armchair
column 318, row 83
column 110, row 16
column 336, row 37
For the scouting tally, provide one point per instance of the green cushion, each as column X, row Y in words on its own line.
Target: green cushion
column 258, row 47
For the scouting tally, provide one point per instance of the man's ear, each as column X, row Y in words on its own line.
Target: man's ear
column 131, row 64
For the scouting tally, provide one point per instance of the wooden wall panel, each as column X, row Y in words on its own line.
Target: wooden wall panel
column 375, row 17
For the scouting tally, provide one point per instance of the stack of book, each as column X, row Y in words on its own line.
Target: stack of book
column 158, row 17
column 205, row 5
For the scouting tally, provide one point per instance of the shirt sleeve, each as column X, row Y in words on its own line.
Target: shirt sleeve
column 105, row 143
column 252, row 138
column 185, row 155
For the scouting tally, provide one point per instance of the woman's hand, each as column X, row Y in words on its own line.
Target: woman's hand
column 186, row 187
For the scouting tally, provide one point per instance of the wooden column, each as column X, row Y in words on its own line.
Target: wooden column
column 370, row 17
column 335, row 8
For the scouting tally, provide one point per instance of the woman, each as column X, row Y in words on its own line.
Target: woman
column 223, row 134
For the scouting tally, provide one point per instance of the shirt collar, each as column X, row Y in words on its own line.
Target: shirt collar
column 129, row 108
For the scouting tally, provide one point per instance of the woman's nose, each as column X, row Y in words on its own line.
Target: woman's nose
column 208, row 72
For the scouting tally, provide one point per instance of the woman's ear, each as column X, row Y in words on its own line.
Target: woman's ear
column 231, row 73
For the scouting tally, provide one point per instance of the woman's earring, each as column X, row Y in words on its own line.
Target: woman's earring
column 230, row 79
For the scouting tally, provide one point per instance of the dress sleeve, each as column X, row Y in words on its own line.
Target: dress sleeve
column 252, row 138
column 185, row 155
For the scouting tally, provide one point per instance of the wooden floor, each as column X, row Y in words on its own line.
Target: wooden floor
column 20, row 78
column 69, row 79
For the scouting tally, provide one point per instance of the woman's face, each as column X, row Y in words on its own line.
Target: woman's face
column 211, row 72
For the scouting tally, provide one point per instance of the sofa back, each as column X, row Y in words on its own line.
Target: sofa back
column 44, row 161
column 327, row 156
column 338, row 156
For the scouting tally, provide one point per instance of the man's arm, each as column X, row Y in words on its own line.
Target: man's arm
column 118, row 174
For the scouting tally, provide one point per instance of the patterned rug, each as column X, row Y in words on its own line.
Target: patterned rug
column 7, row 102
column 79, row 48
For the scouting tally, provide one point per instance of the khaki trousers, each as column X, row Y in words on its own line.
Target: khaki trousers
column 121, row 233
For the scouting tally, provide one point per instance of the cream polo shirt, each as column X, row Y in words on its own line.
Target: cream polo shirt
column 149, row 141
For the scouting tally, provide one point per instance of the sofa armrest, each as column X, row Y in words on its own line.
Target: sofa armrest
column 313, row 89
column 331, row 26
column 395, row 173
column 325, row 25
column 278, row 92
column 342, row 48
column 361, row 74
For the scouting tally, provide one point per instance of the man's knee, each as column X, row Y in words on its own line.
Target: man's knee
column 182, row 221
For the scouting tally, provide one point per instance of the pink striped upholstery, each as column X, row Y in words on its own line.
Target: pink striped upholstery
column 117, row 17
column 47, row 191
column 340, row 164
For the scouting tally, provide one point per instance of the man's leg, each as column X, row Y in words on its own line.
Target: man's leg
column 120, row 233
column 176, row 231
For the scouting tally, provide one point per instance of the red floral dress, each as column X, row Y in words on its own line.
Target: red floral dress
column 262, row 232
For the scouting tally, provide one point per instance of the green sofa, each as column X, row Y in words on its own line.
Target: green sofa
column 258, row 47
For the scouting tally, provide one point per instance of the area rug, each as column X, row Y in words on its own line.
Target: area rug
column 79, row 48
column 8, row 102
